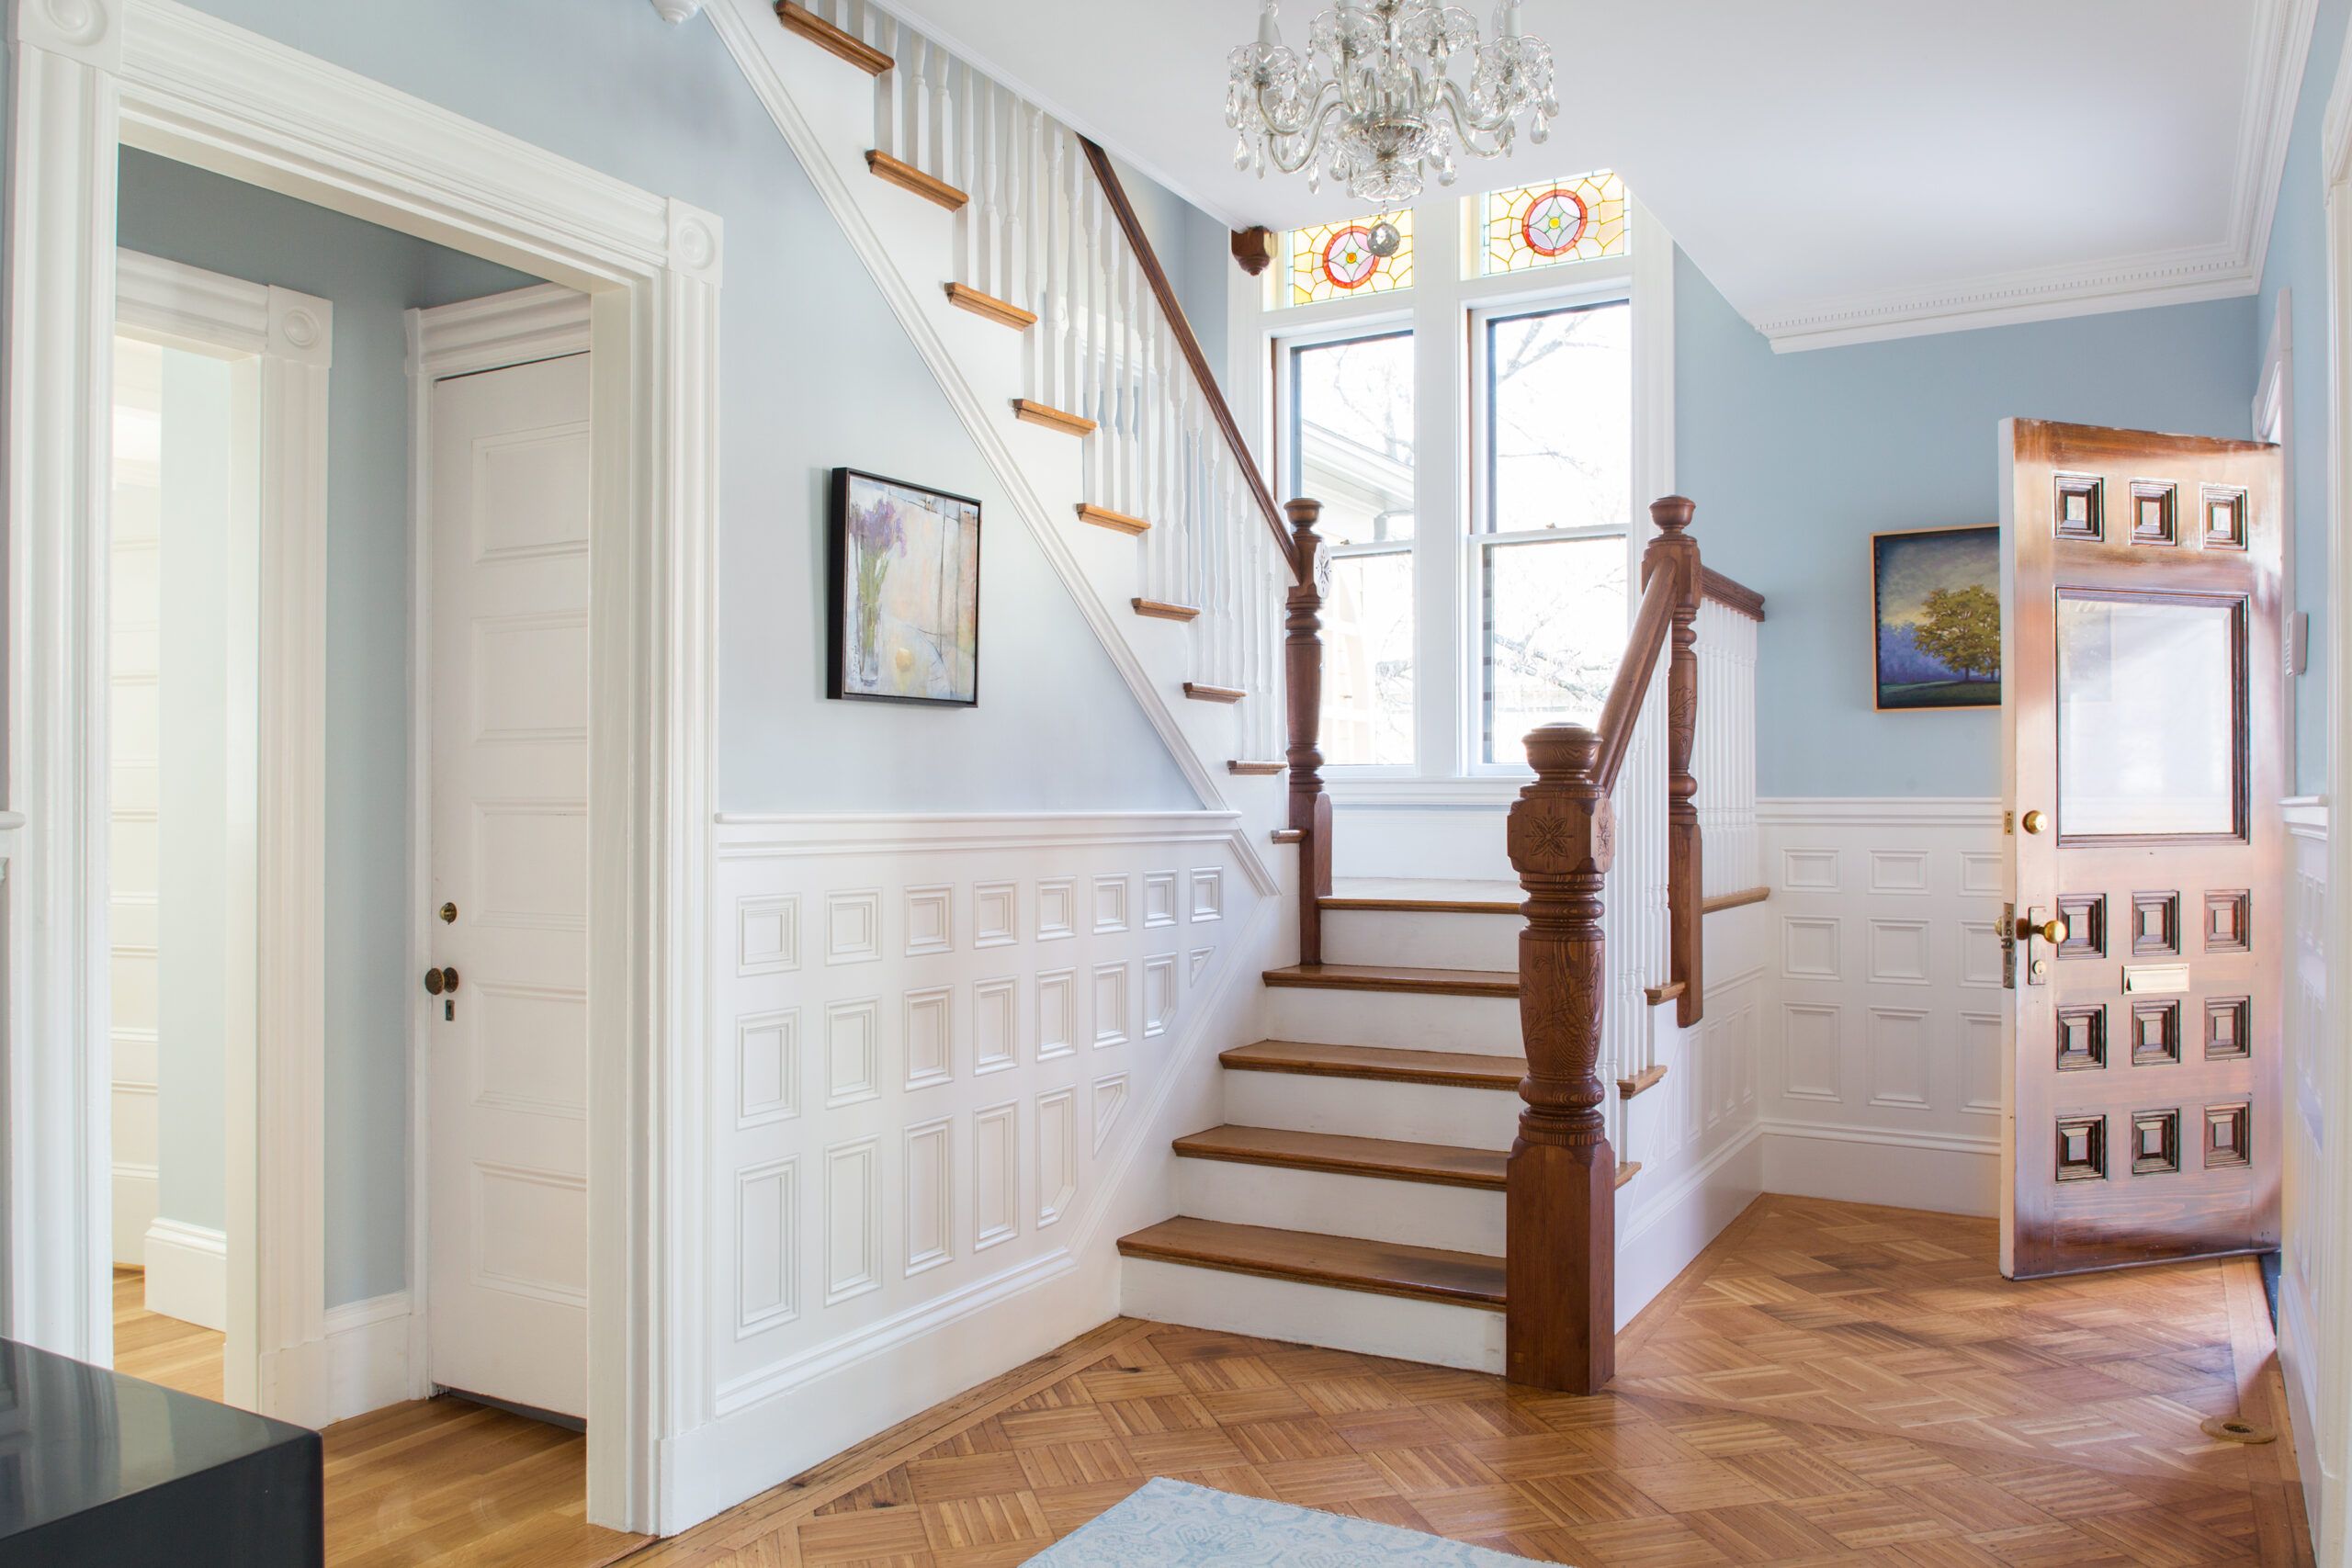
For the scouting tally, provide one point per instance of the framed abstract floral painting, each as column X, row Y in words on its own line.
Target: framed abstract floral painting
column 903, row 611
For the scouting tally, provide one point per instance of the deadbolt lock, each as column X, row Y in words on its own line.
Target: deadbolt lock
column 2035, row 821
column 437, row 981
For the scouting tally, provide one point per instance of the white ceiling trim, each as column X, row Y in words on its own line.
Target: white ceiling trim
column 2274, row 69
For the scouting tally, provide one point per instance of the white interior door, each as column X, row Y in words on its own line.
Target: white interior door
column 507, row 1064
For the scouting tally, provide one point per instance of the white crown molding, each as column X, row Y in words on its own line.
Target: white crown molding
column 2229, row 269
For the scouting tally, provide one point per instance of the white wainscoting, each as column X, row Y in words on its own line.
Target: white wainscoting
column 1884, row 1010
column 2308, row 1232
column 946, row 1058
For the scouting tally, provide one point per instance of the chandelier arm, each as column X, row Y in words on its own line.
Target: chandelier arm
column 1316, row 110
column 1467, row 120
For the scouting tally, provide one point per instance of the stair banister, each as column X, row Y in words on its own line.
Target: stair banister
column 1561, row 1293
column 1310, row 807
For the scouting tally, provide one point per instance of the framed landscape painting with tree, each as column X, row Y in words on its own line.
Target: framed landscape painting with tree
column 1937, row 597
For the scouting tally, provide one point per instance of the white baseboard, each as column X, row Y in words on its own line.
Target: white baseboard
column 364, row 1361
column 188, row 1274
column 135, row 1201
column 1941, row 1172
column 1660, row 1238
column 2299, row 1360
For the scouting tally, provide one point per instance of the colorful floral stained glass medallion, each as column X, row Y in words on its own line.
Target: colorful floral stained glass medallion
column 1347, row 258
column 1544, row 225
column 1372, row 255
column 1554, row 222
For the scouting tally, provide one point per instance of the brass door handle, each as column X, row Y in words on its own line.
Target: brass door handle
column 439, row 980
column 2053, row 930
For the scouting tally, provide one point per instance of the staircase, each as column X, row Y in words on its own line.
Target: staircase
column 1420, row 1159
column 1006, row 243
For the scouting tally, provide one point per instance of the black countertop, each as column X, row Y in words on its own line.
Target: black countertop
column 100, row 1467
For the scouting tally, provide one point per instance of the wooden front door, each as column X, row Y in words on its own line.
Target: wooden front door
column 2141, row 714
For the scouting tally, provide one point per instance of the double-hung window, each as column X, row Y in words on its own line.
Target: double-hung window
column 1467, row 417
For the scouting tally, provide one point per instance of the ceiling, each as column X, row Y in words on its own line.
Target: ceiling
column 1841, row 169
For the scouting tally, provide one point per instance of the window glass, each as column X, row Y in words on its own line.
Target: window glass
column 1557, row 222
column 1334, row 261
column 2149, row 738
column 1551, row 631
column 1351, row 446
column 1560, row 418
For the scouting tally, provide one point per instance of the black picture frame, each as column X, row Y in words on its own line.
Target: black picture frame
column 844, row 683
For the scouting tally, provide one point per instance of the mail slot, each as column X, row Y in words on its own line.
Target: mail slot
column 2155, row 979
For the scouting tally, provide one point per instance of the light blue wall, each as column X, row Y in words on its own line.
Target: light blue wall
column 817, row 372
column 372, row 276
column 2297, row 262
column 192, row 792
column 1796, row 459
column 1194, row 250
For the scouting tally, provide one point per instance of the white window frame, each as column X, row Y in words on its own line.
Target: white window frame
column 1444, row 308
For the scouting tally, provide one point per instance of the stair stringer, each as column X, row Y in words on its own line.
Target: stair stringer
column 784, row 78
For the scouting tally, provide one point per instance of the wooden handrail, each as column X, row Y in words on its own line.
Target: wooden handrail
column 1735, row 596
column 1165, row 292
column 1310, row 809
column 1560, row 1258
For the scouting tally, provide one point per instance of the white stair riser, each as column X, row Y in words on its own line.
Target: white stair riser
column 1415, row 1213
column 1420, row 940
column 1406, row 1019
column 1411, row 1112
column 1469, row 1338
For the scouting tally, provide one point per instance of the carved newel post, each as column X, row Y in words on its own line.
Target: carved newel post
column 1561, row 1323
column 1674, row 550
column 1310, row 809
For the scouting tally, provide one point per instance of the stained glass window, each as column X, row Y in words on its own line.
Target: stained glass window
column 1357, row 255
column 1575, row 220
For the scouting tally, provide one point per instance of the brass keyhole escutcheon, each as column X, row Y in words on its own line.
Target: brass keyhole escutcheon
column 2035, row 821
column 449, row 914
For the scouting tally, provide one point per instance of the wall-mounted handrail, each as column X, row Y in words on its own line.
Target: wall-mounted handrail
column 1190, row 345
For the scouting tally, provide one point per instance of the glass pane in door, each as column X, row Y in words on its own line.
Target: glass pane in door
column 2149, row 734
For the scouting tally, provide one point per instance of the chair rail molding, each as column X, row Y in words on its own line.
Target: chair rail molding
column 88, row 78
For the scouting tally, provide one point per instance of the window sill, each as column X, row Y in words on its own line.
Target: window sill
column 1485, row 791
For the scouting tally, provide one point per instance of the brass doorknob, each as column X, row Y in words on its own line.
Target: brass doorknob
column 2053, row 930
column 439, row 980
column 2035, row 821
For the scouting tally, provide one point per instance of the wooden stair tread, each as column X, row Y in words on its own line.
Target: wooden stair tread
column 907, row 178
column 964, row 297
column 832, row 39
column 1205, row 694
column 1425, row 895
column 1052, row 418
column 1348, row 1263
column 1254, row 770
column 1381, row 1063
column 1660, row 994
column 1103, row 517
column 1396, row 977
column 1444, row 1165
column 1648, row 1078
column 1161, row 610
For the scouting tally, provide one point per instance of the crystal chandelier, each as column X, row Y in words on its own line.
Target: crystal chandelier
column 1372, row 103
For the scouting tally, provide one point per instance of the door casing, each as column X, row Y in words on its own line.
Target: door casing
column 87, row 79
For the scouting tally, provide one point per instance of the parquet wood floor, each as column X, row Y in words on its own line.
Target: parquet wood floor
column 432, row 1481
column 1828, row 1383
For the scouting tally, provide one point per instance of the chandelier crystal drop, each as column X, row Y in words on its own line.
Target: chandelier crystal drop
column 1374, row 104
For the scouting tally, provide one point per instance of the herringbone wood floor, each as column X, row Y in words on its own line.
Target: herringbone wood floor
column 1829, row 1384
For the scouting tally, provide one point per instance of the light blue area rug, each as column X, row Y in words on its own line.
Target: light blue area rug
column 1169, row 1524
